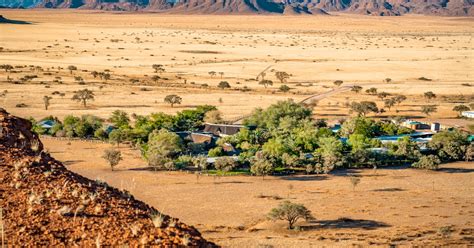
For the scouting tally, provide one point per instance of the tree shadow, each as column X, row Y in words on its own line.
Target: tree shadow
column 71, row 162
column 304, row 178
column 456, row 170
column 8, row 21
column 343, row 223
column 388, row 190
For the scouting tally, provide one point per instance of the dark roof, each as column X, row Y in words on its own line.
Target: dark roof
column 222, row 129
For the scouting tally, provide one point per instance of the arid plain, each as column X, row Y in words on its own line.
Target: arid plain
column 416, row 53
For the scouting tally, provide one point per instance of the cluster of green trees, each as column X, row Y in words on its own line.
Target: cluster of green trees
column 283, row 137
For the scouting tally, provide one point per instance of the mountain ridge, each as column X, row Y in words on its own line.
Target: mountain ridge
column 285, row 7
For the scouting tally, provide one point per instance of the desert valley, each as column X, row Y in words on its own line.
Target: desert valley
column 363, row 123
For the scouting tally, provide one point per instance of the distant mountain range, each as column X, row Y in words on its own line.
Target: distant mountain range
column 287, row 7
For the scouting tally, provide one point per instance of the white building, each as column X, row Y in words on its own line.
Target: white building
column 468, row 114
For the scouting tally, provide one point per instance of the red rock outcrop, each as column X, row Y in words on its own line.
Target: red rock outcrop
column 44, row 204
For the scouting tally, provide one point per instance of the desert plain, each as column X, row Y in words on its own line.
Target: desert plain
column 390, row 206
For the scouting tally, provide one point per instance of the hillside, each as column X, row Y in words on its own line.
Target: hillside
column 315, row 7
column 44, row 204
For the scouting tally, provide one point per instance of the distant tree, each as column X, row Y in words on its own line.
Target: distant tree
column 382, row 95
column 389, row 103
column 429, row 95
column 117, row 136
column 371, row 91
column 265, row 82
column 282, row 76
column 388, row 80
column 399, row 99
column 356, row 88
column 72, row 68
column 155, row 78
column 428, row 109
column 364, row 107
column 113, row 157
column 460, row 108
column 83, row 96
column 212, row 73
column 338, row 83
column 221, row 73
column 291, row 212
column 173, row 99
column 284, row 88
column 158, row 68
column 224, row 85
column 6, row 67
column 46, row 100
column 94, row 74
column 354, row 181
column 106, row 76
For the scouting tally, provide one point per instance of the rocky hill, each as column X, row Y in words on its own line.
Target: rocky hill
column 44, row 204
column 289, row 7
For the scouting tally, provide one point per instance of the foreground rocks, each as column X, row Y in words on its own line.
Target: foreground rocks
column 44, row 204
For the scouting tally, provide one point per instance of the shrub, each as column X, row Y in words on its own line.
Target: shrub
column 200, row 162
column 225, row 164
column 429, row 162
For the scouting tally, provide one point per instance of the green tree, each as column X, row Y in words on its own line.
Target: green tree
column 213, row 116
column 330, row 149
column 364, row 107
column 449, row 145
column 162, row 146
column 113, row 157
column 261, row 167
column 290, row 212
column 429, row 162
column 225, row 164
column 120, row 119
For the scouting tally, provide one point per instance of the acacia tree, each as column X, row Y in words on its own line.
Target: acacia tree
column 72, row 68
column 290, row 212
column 364, row 107
column 460, row 108
column 356, row 88
column 223, row 85
column 428, row 109
column 83, row 96
column 221, row 74
column 429, row 95
column 212, row 73
column 284, row 88
column 265, row 82
column 338, row 83
column 261, row 166
column 113, row 157
column 371, row 91
column 173, row 99
column 282, row 76
column 158, row 68
column 46, row 100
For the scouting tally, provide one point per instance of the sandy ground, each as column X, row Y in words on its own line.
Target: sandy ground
column 389, row 206
column 316, row 51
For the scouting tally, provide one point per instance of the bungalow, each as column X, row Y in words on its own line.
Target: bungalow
column 222, row 130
